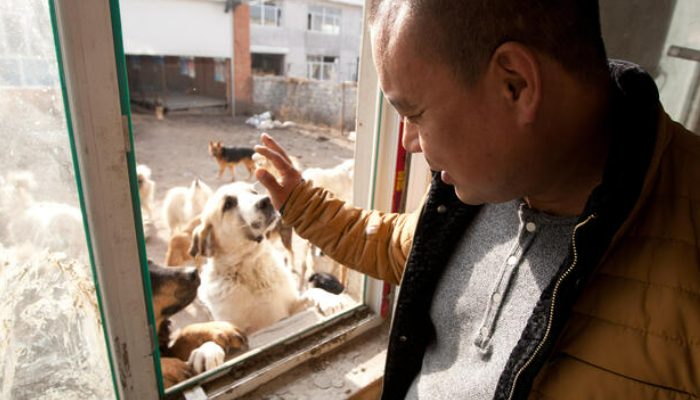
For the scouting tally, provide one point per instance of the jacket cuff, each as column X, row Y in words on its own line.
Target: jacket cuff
column 294, row 206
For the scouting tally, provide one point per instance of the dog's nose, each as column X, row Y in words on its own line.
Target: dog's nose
column 264, row 204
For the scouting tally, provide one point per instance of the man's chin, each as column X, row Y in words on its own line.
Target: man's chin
column 468, row 198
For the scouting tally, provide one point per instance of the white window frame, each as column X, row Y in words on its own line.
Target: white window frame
column 105, row 155
column 266, row 6
column 330, row 19
column 323, row 67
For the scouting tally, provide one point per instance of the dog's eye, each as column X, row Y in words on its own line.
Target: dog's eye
column 229, row 203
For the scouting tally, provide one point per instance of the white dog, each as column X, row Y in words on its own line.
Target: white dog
column 147, row 190
column 245, row 281
column 183, row 204
column 57, row 227
column 337, row 180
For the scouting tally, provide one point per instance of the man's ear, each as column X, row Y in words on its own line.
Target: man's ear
column 203, row 241
column 519, row 77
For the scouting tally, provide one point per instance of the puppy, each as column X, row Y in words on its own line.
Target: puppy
column 327, row 282
column 245, row 281
column 178, row 252
column 183, row 204
column 197, row 347
column 147, row 189
column 230, row 156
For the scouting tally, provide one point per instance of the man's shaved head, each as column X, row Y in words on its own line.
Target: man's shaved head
column 464, row 33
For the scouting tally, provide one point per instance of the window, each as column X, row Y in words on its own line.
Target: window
column 168, row 64
column 324, row 19
column 267, row 13
column 323, row 68
column 51, row 332
column 267, row 64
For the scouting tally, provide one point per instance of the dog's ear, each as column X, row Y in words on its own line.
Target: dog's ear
column 203, row 241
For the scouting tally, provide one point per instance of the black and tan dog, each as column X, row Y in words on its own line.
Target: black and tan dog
column 173, row 289
column 230, row 156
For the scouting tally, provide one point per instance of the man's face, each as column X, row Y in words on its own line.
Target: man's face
column 467, row 133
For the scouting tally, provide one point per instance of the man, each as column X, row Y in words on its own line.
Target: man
column 556, row 255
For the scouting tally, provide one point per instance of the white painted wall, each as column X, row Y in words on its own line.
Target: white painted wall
column 177, row 28
column 677, row 76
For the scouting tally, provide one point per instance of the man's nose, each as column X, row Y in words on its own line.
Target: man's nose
column 411, row 141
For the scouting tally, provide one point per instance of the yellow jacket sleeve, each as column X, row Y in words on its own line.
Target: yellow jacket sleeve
column 372, row 242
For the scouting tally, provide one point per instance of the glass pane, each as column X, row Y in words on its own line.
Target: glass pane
column 316, row 71
column 188, row 145
column 316, row 22
column 255, row 13
column 328, row 71
column 51, row 339
column 270, row 15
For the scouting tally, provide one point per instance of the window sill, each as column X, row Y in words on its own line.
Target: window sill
column 352, row 372
column 274, row 364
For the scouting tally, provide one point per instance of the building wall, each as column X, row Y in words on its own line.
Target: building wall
column 294, row 40
column 307, row 101
column 176, row 28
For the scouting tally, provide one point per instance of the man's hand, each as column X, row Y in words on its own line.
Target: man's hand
column 289, row 177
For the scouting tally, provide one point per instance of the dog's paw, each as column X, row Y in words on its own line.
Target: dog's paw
column 326, row 303
column 174, row 371
column 205, row 357
column 224, row 334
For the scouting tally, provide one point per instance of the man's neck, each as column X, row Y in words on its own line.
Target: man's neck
column 582, row 162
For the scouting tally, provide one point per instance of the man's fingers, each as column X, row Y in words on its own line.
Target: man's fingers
column 278, row 161
column 268, row 141
column 273, row 187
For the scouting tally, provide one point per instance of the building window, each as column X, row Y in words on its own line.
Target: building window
column 267, row 13
column 323, row 68
column 267, row 64
column 324, row 19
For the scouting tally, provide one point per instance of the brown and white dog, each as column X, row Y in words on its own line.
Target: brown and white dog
column 196, row 347
column 245, row 281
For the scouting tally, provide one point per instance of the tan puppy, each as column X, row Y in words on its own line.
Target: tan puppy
column 178, row 252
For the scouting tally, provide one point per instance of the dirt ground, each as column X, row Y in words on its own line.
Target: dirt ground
column 175, row 149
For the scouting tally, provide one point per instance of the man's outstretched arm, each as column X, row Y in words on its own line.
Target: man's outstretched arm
column 371, row 242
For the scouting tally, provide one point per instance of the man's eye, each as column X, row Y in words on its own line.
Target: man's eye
column 414, row 118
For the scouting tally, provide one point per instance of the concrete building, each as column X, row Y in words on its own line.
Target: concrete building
column 178, row 52
column 314, row 39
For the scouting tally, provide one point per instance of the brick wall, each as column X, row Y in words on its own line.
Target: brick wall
column 241, row 58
